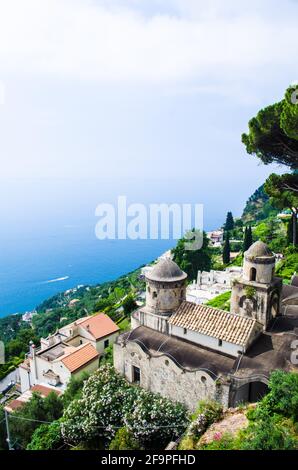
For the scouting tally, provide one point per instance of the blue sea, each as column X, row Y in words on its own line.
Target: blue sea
column 47, row 235
column 41, row 267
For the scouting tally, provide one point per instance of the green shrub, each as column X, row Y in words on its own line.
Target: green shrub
column 124, row 440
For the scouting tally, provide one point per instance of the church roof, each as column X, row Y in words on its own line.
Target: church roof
column 185, row 354
column 166, row 270
column 235, row 329
column 258, row 249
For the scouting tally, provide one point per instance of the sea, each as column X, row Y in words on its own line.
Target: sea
column 43, row 267
column 48, row 242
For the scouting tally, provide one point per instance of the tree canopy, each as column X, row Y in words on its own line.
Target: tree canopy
column 273, row 132
column 229, row 225
column 283, row 192
column 191, row 261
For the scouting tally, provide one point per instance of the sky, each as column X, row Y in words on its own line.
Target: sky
column 146, row 98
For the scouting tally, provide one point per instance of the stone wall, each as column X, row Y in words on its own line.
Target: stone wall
column 164, row 297
column 160, row 374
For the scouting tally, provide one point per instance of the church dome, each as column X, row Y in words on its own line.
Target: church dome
column 258, row 250
column 166, row 271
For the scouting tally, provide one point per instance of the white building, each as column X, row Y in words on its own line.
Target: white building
column 209, row 284
column 72, row 350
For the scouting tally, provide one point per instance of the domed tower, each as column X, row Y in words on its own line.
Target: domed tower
column 257, row 293
column 165, row 287
column 165, row 290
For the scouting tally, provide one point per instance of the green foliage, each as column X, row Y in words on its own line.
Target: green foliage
column 247, row 238
column 191, row 261
column 288, row 266
column 222, row 301
column 124, row 440
column 289, row 114
column 226, row 253
column 107, row 358
column 154, row 420
column 47, row 437
column 270, row 433
column 250, row 292
column 225, row 441
column 258, row 207
column 272, row 135
column 207, row 413
column 283, row 192
column 74, row 389
column 212, row 410
column 229, row 225
column 3, row 443
column 282, row 397
column 26, row 419
column 108, row 402
column 129, row 304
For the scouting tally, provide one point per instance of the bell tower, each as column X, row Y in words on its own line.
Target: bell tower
column 257, row 293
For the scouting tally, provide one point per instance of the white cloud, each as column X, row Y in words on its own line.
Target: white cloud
column 81, row 39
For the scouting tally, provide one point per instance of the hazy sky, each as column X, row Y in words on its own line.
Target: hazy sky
column 144, row 97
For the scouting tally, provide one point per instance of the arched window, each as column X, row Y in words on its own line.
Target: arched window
column 253, row 274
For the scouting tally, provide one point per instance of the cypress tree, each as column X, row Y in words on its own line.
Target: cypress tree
column 226, row 254
column 229, row 225
column 247, row 238
column 290, row 227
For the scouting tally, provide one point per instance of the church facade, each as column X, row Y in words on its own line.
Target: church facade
column 189, row 352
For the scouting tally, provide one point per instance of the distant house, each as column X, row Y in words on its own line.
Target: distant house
column 72, row 350
column 43, row 390
column 216, row 237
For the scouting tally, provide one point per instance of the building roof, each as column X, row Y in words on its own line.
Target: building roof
column 14, row 405
column 185, row 354
column 99, row 325
column 81, row 356
column 258, row 250
column 44, row 390
column 166, row 271
column 235, row 329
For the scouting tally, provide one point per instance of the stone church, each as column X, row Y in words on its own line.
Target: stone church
column 191, row 352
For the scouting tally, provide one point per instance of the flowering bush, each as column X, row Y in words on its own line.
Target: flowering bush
column 207, row 413
column 155, row 420
column 108, row 403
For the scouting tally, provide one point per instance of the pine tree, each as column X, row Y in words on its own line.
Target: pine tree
column 229, row 225
column 226, row 254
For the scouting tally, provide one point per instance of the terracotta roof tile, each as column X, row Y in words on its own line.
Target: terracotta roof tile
column 81, row 356
column 43, row 390
column 99, row 325
column 213, row 322
column 14, row 405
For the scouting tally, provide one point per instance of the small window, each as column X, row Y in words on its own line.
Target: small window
column 106, row 343
column 154, row 295
column 253, row 274
column 220, row 342
column 148, row 288
column 184, row 331
column 203, row 379
column 81, row 341
column 136, row 374
column 166, row 362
